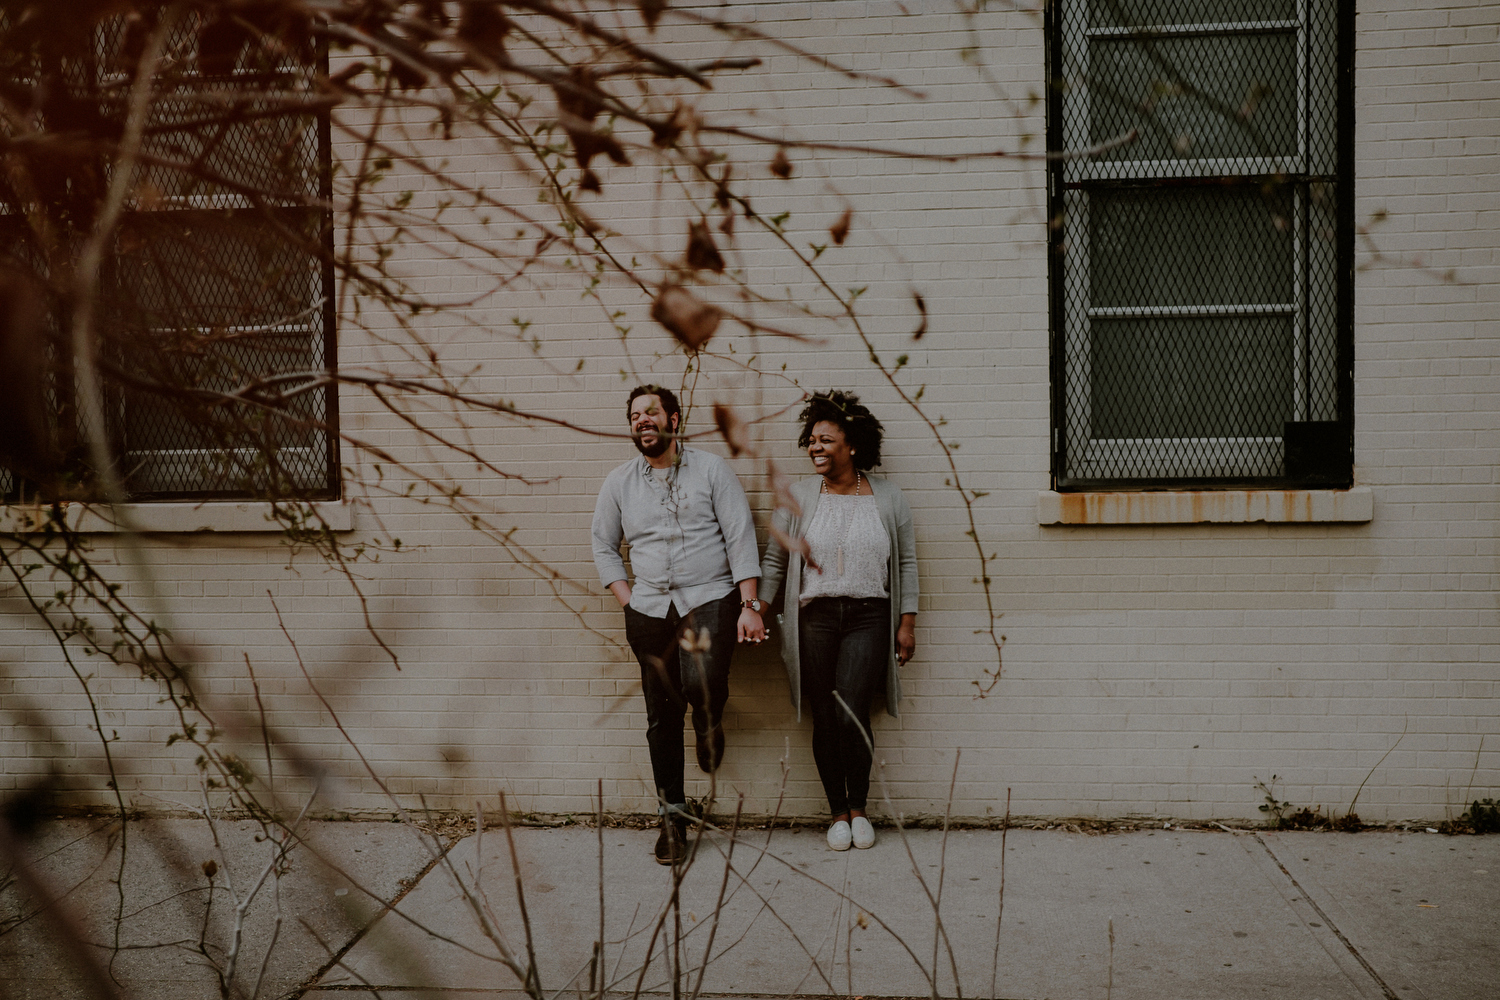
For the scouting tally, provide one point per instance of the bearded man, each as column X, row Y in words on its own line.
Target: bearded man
column 693, row 553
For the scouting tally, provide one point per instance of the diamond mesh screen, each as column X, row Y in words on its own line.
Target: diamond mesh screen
column 1200, row 253
column 214, row 319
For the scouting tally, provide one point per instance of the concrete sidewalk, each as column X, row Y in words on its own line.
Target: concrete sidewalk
column 1194, row 914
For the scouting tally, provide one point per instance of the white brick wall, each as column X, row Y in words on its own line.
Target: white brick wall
column 1148, row 670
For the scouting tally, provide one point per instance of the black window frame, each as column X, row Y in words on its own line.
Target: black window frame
column 1314, row 453
column 198, row 465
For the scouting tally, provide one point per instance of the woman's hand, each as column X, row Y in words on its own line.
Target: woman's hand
column 906, row 638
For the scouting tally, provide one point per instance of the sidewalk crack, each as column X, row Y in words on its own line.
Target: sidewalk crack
column 311, row 982
column 1385, row 989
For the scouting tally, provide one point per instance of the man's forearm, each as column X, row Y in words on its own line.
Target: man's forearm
column 621, row 590
column 749, row 587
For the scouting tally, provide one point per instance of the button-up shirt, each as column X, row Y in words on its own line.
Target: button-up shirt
column 689, row 529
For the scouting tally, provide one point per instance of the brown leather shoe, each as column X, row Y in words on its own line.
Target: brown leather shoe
column 671, row 846
column 710, row 748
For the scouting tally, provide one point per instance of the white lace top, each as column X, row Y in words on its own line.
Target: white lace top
column 851, row 546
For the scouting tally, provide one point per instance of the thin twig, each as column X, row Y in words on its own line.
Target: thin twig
column 533, row 983
column 942, row 873
column 1470, row 790
column 1404, row 726
column 995, row 962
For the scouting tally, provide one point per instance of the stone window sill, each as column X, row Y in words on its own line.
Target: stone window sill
column 194, row 517
column 1207, row 507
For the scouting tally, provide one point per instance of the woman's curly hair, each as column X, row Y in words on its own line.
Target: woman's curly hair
column 861, row 429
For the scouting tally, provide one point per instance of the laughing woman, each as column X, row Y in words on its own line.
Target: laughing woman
column 851, row 608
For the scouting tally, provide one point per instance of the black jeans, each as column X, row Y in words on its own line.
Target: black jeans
column 845, row 645
column 671, row 681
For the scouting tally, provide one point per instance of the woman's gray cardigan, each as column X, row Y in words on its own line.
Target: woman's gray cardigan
column 896, row 516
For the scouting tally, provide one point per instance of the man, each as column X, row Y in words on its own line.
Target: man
column 692, row 547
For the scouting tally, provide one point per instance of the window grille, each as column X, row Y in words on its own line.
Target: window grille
column 1201, row 242
column 216, row 310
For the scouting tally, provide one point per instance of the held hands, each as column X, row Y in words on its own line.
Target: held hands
column 751, row 628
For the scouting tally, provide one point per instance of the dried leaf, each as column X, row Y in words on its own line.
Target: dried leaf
column 736, row 432
column 580, row 100
column 798, row 545
column 408, row 76
column 286, row 26
column 701, row 252
column 666, row 131
column 210, row 868
column 220, row 43
column 727, row 226
column 651, row 11
column 921, row 308
column 484, row 26
column 840, row 229
column 580, row 96
column 780, row 165
column 687, row 317
column 588, row 144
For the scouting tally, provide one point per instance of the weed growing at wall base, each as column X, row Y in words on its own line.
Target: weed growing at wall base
column 1284, row 815
column 1482, row 816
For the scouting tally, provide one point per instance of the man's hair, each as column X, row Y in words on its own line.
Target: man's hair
column 861, row 429
column 669, row 404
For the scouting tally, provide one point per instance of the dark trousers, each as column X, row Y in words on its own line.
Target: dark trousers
column 671, row 681
column 845, row 645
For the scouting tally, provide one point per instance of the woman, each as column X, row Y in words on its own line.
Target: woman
column 851, row 599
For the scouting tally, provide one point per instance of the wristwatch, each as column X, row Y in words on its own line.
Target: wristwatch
column 753, row 605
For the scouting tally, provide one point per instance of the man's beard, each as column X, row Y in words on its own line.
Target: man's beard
column 656, row 450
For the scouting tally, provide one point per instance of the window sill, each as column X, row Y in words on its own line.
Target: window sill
column 1207, row 506
column 194, row 517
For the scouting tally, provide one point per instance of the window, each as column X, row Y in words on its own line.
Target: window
column 1201, row 243
column 215, row 315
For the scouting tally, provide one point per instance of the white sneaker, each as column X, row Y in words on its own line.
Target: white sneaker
column 862, row 832
column 839, row 836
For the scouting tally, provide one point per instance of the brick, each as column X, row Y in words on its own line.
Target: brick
column 1148, row 670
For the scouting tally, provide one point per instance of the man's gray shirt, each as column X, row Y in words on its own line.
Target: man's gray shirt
column 688, row 545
